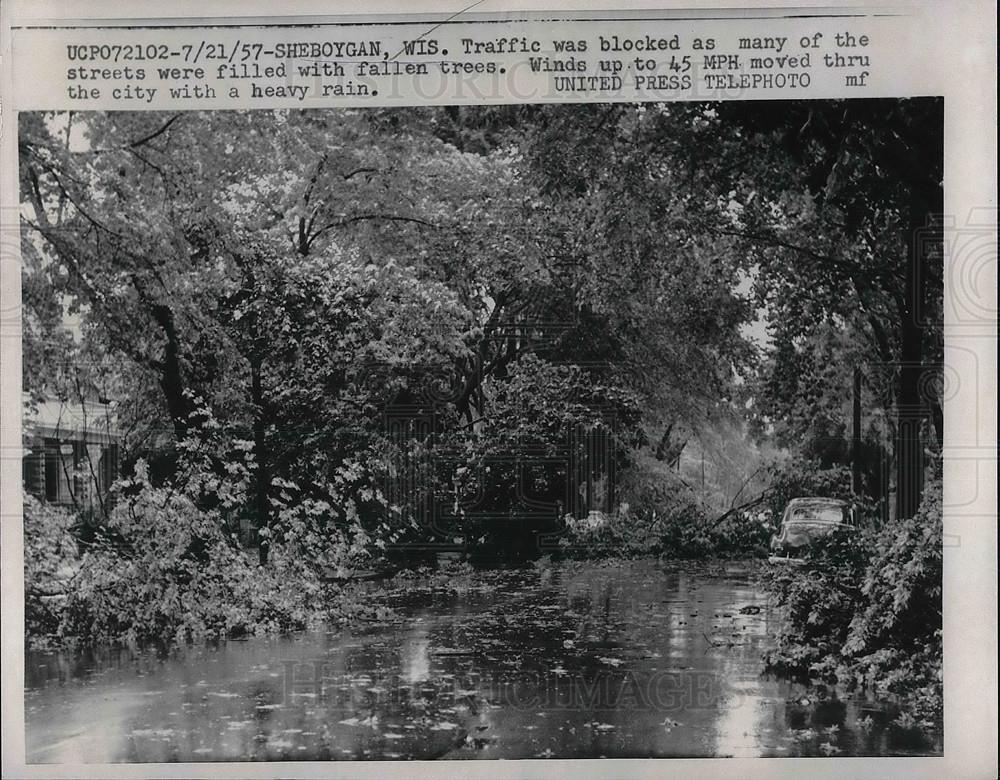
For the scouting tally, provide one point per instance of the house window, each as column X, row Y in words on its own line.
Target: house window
column 33, row 470
column 109, row 466
column 53, row 470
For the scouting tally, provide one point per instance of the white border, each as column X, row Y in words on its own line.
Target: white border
column 966, row 50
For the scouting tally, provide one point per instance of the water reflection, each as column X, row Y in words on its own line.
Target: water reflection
column 628, row 660
column 416, row 656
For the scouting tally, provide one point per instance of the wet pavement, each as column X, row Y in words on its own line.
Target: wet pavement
column 568, row 660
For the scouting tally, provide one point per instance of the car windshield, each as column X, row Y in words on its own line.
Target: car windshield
column 820, row 513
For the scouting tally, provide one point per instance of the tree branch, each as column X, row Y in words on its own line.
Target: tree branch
column 156, row 133
column 734, row 510
column 344, row 222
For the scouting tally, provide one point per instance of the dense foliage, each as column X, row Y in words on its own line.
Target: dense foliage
column 865, row 609
column 162, row 570
column 342, row 340
column 50, row 558
column 172, row 574
column 379, row 317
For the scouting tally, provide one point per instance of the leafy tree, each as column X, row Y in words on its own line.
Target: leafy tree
column 221, row 280
column 842, row 209
column 831, row 210
column 268, row 293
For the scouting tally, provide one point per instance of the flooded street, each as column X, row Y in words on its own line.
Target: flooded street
column 568, row 660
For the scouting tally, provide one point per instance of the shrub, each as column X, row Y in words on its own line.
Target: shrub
column 745, row 533
column 50, row 560
column 658, row 514
column 818, row 602
column 865, row 609
column 894, row 641
column 662, row 516
column 165, row 571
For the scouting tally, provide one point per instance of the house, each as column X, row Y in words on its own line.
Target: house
column 70, row 452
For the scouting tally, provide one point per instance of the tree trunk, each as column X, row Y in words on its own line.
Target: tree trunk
column 171, row 376
column 911, row 408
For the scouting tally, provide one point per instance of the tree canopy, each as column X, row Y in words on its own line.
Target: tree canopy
column 339, row 322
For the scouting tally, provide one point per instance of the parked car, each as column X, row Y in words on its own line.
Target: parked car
column 806, row 520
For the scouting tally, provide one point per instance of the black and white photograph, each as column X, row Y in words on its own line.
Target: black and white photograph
column 604, row 430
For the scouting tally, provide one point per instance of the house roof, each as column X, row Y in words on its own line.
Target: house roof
column 89, row 421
